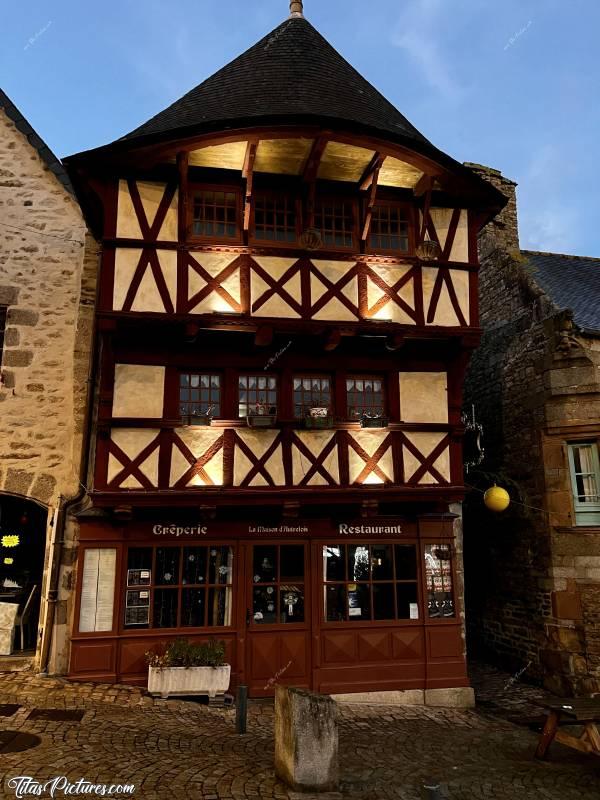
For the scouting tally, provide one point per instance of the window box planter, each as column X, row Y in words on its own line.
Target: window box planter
column 374, row 422
column 188, row 681
column 318, row 423
column 199, row 420
column 261, row 420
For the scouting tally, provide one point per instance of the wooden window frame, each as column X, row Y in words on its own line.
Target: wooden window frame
column 179, row 587
column 256, row 374
column 339, row 198
column 410, row 214
column 200, row 373
column 348, row 624
column 277, row 583
column 301, row 375
column 211, row 187
column 586, row 514
column 274, row 193
column 354, row 376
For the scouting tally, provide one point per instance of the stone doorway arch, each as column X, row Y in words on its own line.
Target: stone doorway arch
column 23, row 525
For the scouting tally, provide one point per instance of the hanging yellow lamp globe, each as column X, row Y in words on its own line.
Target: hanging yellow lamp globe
column 496, row 499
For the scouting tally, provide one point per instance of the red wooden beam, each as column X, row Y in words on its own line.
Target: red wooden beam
column 373, row 168
column 182, row 167
column 248, row 175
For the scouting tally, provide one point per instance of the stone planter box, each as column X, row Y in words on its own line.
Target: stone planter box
column 187, row 681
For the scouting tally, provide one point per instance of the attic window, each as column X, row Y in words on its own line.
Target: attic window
column 335, row 219
column 275, row 217
column 215, row 213
column 389, row 229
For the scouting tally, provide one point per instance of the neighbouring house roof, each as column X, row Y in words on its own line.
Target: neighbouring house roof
column 293, row 72
column 52, row 162
column 571, row 282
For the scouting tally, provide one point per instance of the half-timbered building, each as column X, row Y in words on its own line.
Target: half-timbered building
column 287, row 304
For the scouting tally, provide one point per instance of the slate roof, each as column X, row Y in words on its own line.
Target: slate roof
column 292, row 73
column 571, row 282
column 52, row 162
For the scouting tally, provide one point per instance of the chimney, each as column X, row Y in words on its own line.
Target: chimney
column 503, row 230
column 296, row 9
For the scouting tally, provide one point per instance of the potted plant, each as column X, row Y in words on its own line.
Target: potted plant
column 262, row 416
column 318, row 417
column 198, row 418
column 184, row 669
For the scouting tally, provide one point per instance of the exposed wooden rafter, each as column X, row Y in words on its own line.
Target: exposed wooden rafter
column 248, row 175
column 182, row 168
column 369, row 181
column 369, row 174
column 311, row 170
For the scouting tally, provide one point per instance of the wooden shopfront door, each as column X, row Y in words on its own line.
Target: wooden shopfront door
column 278, row 615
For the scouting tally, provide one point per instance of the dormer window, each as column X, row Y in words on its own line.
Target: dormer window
column 390, row 229
column 216, row 214
column 275, row 218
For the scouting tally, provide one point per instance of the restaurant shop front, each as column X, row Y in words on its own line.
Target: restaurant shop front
column 333, row 606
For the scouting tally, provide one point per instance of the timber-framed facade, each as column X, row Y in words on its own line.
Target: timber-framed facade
column 288, row 301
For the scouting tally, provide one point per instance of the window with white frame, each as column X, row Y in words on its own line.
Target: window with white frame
column 584, row 463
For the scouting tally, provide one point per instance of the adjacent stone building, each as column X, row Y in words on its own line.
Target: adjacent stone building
column 47, row 292
column 533, row 572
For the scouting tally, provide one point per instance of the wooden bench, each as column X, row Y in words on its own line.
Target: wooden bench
column 566, row 712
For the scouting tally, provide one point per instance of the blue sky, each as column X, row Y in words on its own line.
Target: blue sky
column 513, row 84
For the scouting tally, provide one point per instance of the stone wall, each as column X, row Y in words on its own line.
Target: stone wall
column 515, row 564
column 48, row 267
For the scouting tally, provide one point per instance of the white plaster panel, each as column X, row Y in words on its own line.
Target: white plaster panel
column 138, row 391
column 315, row 442
column 391, row 310
column 258, row 442
column 425, row 443
column 126, row 261
column 445, row 314
column 132, row 441
column 127, row 224
column 424, row 397
column 460, row 281
column 198, row 440
column 214, row 264
column 460, row 246
column 276, row 306
column 147, row 297
column 370, row 441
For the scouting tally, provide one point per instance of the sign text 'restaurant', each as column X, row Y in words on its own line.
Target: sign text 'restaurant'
column 348, row 530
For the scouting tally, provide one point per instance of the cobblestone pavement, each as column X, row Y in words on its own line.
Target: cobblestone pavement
column 175, row 749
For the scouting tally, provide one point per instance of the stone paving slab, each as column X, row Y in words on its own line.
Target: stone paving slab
column 182, row 750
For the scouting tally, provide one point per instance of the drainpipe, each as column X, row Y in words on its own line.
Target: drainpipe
column 65, row 504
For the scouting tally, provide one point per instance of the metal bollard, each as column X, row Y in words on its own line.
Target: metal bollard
column 241, row 709
column 432, row 792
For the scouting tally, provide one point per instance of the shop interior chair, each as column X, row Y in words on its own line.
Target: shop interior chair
column 23, row 618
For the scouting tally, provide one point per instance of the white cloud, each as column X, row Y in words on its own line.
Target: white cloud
column 415, row 33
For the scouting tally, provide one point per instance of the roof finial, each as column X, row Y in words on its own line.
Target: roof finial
column 296, row 8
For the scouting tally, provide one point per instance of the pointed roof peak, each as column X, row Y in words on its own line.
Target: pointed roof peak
column 296, row 8
column 292, row 75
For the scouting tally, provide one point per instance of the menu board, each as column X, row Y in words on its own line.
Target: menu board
column 97, row 590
